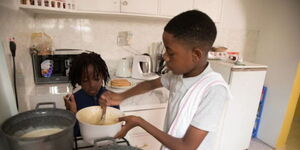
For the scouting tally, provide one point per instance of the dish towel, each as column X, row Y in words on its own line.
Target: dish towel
column 190, row 102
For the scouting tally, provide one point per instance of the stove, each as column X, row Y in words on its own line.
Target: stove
column 79, row 143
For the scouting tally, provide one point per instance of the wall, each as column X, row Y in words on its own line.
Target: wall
column 99, row 34
column 236, row 31
column 16, row 23
column 278, row 48
column 13, row 24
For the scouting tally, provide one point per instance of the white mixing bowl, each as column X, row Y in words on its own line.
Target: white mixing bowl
column 89, row 119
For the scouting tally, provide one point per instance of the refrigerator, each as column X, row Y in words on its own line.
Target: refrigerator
column 246, row 83
column 8, row 106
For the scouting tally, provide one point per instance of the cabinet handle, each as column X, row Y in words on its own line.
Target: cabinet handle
column 125, row 3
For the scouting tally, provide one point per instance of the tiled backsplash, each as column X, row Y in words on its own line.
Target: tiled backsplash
column 99, row 33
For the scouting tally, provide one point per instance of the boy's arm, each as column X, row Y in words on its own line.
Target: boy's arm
column 111, row 98
column 191, row 140
column 142, row 87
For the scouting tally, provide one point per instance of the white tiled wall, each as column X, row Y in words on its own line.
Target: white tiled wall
column 99, row 34
column 16, row 23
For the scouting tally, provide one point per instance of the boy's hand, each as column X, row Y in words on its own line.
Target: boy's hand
column 130, row 122
column 70, row 103
column 110, row 98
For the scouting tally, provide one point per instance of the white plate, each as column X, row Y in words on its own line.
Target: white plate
column 132, row 84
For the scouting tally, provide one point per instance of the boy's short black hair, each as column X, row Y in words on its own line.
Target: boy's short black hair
column 79, row 66
column 193, row 27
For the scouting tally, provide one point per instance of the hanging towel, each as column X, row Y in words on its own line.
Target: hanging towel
column 190, row 102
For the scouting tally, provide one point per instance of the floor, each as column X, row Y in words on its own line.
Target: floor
column 293, row 140
column 257, row 144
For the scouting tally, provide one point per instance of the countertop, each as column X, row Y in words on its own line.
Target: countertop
column 243, row 65
column 54, row 93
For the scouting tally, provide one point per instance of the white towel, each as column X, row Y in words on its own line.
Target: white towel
column 190, row 102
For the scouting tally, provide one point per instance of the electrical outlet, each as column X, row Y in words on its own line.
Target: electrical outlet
column 124, row 38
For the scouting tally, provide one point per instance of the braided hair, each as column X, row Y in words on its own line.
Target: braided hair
column 79, row 66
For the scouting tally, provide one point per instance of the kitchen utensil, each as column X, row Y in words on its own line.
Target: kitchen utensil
column 112, row 145
column 89, row 123
column 102, row 118
column 141, row 68
column 40, row 118
column 123, row 69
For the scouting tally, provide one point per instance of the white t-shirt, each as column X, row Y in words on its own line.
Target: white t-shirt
column 210, row 109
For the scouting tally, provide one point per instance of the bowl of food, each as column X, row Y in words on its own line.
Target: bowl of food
column 92, row 127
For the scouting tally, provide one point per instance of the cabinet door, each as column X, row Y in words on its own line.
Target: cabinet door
column 174, row 7
column 140, row 6
column 138, row 137
column 99, row 5
column 212, row 8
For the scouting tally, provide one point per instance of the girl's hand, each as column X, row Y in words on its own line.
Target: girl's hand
column 70, row 103
column 130, row 122
column 110, row 98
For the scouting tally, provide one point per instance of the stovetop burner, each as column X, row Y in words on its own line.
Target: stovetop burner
column 80, row 144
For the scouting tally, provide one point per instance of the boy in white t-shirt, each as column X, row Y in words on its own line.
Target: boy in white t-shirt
column 198, row 95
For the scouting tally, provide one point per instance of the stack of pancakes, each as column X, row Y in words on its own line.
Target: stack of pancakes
column 120, row 83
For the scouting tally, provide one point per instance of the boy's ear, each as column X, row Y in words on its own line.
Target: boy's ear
column 198, row 53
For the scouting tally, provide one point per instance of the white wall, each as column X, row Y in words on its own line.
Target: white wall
column 16, row 23
column 278, row 48
column 272, row 30
column 99, row 34
column 266, row 32
column 13, row 24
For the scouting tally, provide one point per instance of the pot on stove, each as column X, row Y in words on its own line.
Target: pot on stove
column 30, row 130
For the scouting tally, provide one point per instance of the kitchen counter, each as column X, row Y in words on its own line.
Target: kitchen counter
column 55, row 92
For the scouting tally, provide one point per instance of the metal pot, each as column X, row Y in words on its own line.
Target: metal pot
column 40, row 118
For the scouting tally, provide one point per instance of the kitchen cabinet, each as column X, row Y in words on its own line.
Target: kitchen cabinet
column 127, row 8
column 123, row 6
column 149, row 7
column 174, row 7
column 212, row 8
column 151, row 106
column 99, row 5
column 160, row 9
column 246, row 83
column 138, row 137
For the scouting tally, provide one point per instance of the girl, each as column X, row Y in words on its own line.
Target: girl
column 89, row 71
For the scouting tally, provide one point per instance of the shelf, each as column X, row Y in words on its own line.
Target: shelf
column 51, row 10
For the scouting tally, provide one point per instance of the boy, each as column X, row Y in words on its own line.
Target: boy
column 89, row 71
column 197, row 94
